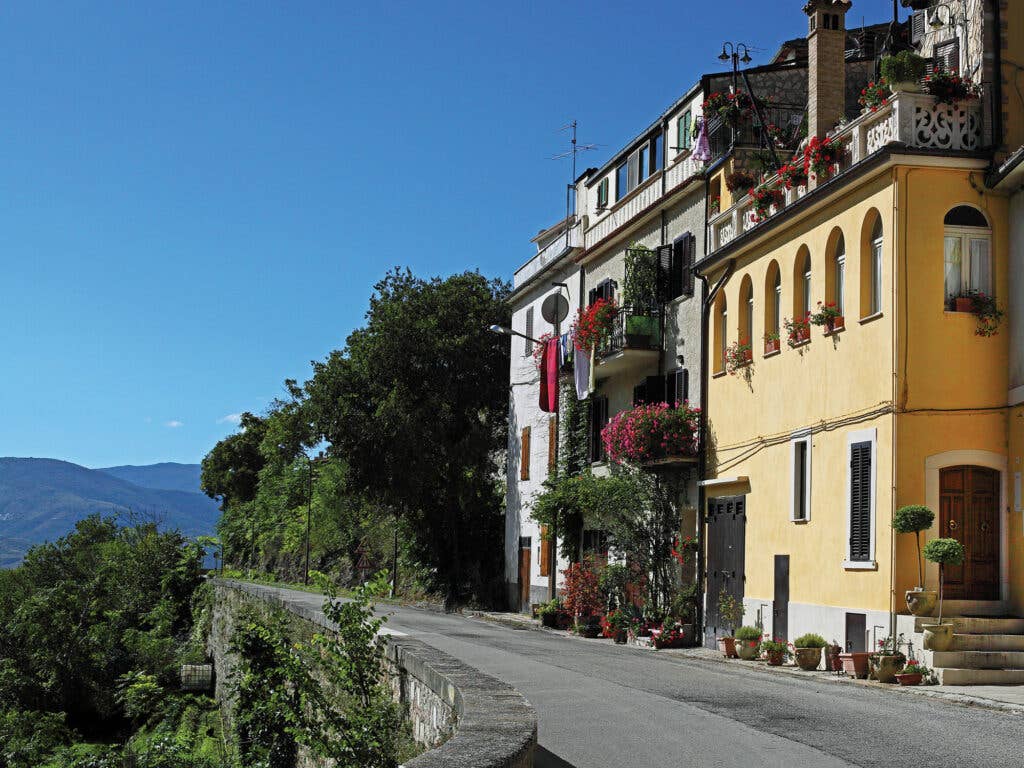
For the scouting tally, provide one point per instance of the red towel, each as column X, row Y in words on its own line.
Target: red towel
column 549, row 377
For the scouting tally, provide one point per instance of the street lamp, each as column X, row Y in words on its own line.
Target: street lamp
column 732, row 51
column 509, row 332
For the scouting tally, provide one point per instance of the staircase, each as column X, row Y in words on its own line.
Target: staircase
column 986, row 650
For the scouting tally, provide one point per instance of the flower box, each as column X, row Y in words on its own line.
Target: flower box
column 771, row 346
column 964, row 304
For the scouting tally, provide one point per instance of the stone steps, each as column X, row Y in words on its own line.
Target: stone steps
column 976, row 625
column 1012, row 660
column 988, row 643
column 962, row 676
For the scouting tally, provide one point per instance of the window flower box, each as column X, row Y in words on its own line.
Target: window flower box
column 651, row 433
column 797, row 331
column 771, row 344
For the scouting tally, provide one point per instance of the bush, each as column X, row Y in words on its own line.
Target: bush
column 944, row 551
column 810, row 640
column 748, row 633
column 912, row 518
column 904, row 67
column 740, row 180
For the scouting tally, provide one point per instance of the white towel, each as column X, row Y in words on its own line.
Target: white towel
column 581, row 373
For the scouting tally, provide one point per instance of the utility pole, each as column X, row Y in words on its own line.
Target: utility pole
column 309, row 515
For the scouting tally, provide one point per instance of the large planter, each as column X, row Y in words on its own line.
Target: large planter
column 909, row 679
column 885, row 668
column 921, row 602
column 747, row 649
column 964, row 304
column 808, row 659
column 855, row 664
column 620, row 637
column 906, row 86
column 832, row 661
column 937, row 637
column 727, row 645
column 775, row 658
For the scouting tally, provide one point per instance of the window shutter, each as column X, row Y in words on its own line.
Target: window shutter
column 640, row 394
column 917, row 26
column 591, row 297
column 947, row 55
column 528, row 345
column 655, row 389
column 552, row 444
column 598, row 418
column 677, row 385
column 683, row 385
column 545, row 552
column 665, row 262
column 860, row 501
column 524, row 455
column 687, row 263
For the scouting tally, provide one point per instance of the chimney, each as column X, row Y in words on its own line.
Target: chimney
column 826, row 64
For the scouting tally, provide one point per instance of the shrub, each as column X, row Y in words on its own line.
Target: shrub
column 748, row 633
column 944, row 551
column 582, row 592
column 650, row 432
column 776, row 645
column 904, row 67
column 810, row 640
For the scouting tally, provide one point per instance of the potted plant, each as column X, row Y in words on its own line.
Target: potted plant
column 582, row 598
column 797, row 331
column 888, row 660
column 730, row 611
column 793, row 174
column 771, row 342
column 984, row 308
column 765, row 197
column 903, row 71
column 832, row 653
column 807, row 649
column 939, row 636
column 748, row 641
column 737, row 355
column 949, row 88
column 822, row 156
column 616, row 625
column 913, row 673
column 915, row 518
column 715, row 205
column 740, row 180
column 776, row 651
column 589, row 628
column 855, row 663
column 550, row 613
column 640, row 330
column 827, row 316
column 874, row 95
column 671, row 635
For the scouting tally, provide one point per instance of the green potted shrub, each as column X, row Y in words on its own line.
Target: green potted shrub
column 550, row 612
column 915, row 518
column 730, row 612
column 888, row 660
column 748, row 640
column 776, row 651
column 939, row 636
column 807, row 649
column 904, row 71
column 641, row 331
column 618, row 623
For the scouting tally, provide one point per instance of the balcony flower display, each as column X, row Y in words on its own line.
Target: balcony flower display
column 594, row 324
column 950, row 88
column 733, row 108
column 771, row 342
column 797, row 331
column 874, row 95
column 827, row 316
column 737, row 355
column 651, row 432
column 764, row 197
column 822, row 156
column 793, row 174
column 740, row 180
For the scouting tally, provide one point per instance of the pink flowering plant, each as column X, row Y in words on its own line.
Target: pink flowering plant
column 651, row 432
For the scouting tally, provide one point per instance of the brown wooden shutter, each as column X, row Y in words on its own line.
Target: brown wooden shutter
column 664, row 261
column 524, row 455
column 947, row 55
column 545, row 552
column 860, row 501
column 687, row 261
column 552, row 444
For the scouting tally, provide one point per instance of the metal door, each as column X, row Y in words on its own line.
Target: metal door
column 780, row 607
column 726, row 526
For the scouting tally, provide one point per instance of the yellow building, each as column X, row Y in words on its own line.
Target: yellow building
column 817, row 440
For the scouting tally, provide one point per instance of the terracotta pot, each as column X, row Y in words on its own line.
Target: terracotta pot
column 837, row 324
column 771, row 345
column 964, row 304
column 748, row 355
column 808, row 659
column 911, row 679
column 775, row 658
column 921, row 602
column 855, row 664
column 747, row 649
column 937, row 637
column 832, row 661
column 620, row 637
column 727, row 645
column 885, row 668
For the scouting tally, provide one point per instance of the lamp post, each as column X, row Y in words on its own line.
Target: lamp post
column 553, row 539
column 732, row 51
column 309, row 510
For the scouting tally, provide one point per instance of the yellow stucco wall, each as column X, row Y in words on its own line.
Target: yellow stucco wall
column 1014, row 512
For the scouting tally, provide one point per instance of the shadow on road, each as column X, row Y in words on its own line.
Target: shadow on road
column 544, row 759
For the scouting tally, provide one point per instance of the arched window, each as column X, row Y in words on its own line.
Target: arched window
column 872, row 242
column 721, row 332
column 835, row 274
column 772, row 305
column 967, row 254
column 745, row 330
column 802, row 284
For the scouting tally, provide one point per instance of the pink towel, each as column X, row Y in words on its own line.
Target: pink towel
column 549, row 377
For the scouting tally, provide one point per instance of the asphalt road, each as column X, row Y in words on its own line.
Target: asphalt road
column 606, row 706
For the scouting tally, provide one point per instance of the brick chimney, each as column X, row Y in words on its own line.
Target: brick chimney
column 826, row 64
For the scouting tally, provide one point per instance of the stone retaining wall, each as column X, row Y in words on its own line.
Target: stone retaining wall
column 465, row 718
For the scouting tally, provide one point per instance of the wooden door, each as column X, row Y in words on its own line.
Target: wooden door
column 726, row 555
column 525, row 546
column 780, row 605
column 969, row 513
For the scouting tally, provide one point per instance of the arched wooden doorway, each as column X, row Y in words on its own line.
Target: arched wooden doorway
column 969, row 513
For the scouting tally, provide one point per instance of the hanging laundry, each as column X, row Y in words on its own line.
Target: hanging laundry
column 702, row 149
column 581, row 373
column 549, row 377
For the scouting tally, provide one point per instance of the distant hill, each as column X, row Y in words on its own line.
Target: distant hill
column 166, row 477
column 42, row 499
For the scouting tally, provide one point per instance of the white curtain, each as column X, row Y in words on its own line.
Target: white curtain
column 981, row 266
column 953, row 259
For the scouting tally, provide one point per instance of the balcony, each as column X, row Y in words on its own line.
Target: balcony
column 549, row 254
column 910, row 119
column 634, row 341
column 780, row 126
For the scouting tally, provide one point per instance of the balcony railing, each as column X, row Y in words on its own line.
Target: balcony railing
column 911, row 119
column 548, row 254
column 634, row 328
column 781, row 125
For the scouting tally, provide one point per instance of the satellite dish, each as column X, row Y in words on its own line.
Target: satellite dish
column 555, row 308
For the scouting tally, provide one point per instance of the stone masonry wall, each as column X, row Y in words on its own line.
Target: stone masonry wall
column 462, row 716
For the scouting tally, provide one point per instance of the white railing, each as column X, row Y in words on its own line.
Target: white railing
column 913, row 119
column 547, row 254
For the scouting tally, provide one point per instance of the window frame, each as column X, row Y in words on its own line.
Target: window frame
column 966, row 235
column 805, row 438
column 852, row 438
column 875, row 276
column 602, row 193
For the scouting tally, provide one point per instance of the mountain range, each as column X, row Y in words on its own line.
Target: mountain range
column 42, row 499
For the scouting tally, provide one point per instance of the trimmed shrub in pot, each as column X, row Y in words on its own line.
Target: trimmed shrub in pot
column 776, row 651
column 939, row 636
column 888, row 660
column 903, row 71
column 730, row 611
column 747, row 641
column 807, row 649
column 915, row 518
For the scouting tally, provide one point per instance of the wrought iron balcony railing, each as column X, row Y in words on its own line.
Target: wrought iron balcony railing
column 634, row 328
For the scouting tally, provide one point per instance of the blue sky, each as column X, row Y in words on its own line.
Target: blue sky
column 197, row 198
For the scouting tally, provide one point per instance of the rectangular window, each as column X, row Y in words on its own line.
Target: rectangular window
column 967, row 264
column 677, row 387
column 800, row 449
column 642, row 166
column 602, row 194
column 524, row 454
column 622, row 181
column 657, row 150
column 953, row 259
column 598, row 420
column 527, row 344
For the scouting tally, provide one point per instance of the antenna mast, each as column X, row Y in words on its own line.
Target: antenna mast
column 570, row 189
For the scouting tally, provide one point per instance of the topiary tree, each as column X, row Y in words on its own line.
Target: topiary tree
column 943, row 552
column 914, row 518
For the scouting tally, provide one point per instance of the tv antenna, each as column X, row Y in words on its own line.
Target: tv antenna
column 574, row 149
